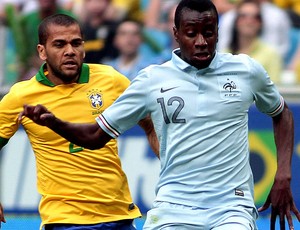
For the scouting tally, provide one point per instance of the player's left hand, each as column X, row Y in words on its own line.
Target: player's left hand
column 282, row 204
column 2, row 219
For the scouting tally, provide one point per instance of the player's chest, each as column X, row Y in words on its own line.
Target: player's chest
column 202, row 97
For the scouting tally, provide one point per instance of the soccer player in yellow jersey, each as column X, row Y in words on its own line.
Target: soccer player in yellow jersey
column 79, row 188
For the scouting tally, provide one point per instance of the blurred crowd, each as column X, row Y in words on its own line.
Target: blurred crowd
column 132, row 34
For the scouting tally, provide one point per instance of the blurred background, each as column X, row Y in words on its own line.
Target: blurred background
column 129, row 35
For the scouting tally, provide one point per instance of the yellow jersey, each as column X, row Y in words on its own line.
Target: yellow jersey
column 77, row 185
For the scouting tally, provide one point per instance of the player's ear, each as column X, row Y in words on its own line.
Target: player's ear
column 83, row 50
column 42, row 52
column 175, row 33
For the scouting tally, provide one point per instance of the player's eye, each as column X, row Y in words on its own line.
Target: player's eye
column 191, row 33
column 77, row 43
column 58, row 44
column 208, row 33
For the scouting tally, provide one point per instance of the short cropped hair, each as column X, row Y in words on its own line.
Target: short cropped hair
column 197, row 5
column 56, row 19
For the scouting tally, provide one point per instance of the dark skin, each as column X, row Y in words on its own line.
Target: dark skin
column 2, row 219
column 197, row 36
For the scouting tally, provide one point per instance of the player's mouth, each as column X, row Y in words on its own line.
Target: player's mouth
column 202, row 56
column 70, row 64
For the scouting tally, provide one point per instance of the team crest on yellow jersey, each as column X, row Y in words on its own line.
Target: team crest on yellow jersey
column 95, row 98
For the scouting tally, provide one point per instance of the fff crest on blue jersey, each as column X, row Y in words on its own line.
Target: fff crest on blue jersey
column 229, row 86
column 95, row 98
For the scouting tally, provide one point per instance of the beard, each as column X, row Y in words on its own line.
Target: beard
column 68, row 76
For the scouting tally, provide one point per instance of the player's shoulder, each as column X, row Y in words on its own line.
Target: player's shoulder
column 100, row 68
column 234, row 59
column 24, row 84
column 23, row 88
column 155, row 72
column 154, row 68
column 103, row 70
column 106, row 73
column 242, row 63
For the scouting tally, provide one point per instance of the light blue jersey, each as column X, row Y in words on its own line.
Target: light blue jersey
column 201, row 120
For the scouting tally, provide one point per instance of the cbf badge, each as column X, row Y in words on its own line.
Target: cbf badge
column 95, row 98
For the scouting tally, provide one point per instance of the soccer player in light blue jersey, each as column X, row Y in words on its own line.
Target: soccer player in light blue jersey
column 198, row 102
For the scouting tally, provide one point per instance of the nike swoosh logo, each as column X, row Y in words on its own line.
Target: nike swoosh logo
column 165, row 90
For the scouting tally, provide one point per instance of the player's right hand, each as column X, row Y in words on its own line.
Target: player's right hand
column 38, row 114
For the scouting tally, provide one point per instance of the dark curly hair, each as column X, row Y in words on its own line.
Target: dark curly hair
column 197, row 5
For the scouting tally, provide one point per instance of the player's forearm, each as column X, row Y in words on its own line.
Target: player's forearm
column 153, row 142
column 148, row 127
column 85, row 135
column 283, row 126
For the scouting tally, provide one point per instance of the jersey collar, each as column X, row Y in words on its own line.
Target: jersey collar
column 83, row 78
column 181, row 64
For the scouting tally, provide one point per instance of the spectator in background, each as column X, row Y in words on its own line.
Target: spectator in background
column 157, row 12
column 171, row 44
column 8, row 58
column 27, row 6
column 131, row 9
column 224, row 6
column 29, row 25
column 117, row 9
column 98, row 31
column 67, row 4
column 292, row 72
column 23, row 6
column 245, row 38
column 275, row 31
column 158, row 31
column 128, row 41
column 77, row 9
column 292, row 7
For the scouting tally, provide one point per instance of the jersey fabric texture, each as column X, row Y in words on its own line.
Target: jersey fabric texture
column 77, row 185
column 201, row 120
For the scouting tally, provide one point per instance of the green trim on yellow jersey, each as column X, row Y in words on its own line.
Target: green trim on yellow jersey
column 83, row 78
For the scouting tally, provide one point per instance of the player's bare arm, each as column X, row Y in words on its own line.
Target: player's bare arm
column 148, row 127
column 280, row 197
column 2, row 219
column 89, row 136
